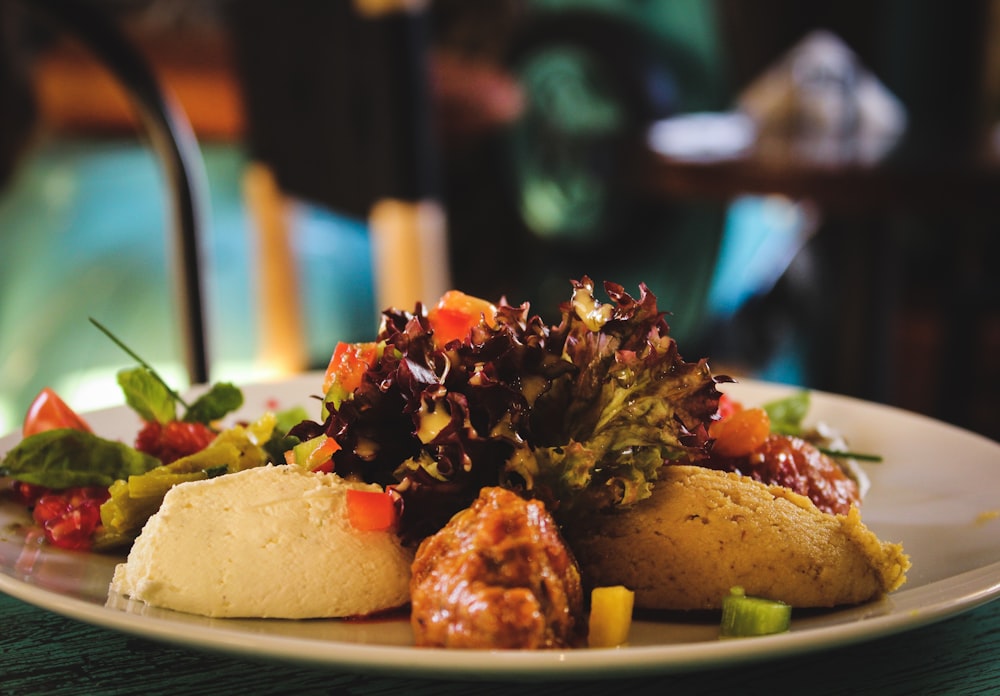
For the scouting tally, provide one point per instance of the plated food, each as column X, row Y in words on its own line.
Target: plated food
column 582, row 421
column 704, row 531
column 498, row 575
column 270, row 542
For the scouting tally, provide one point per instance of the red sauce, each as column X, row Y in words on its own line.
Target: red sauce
column 797, row 464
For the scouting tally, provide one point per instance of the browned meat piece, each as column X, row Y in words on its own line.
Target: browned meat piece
column 796, row 464
column 498, row 575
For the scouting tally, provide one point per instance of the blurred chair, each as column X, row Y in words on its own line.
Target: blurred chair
column 336, row 96
column 171, row 138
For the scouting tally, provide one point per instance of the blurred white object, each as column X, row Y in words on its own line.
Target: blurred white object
column 821, row 90
column 703, row 136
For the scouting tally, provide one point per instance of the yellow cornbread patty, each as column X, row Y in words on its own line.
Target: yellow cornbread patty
column 704, row 531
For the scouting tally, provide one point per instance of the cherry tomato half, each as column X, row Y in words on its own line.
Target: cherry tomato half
column 49, row 412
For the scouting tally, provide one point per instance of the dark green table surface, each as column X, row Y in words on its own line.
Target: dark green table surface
column 44, row 653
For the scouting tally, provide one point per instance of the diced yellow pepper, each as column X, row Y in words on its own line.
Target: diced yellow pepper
column 610, row 616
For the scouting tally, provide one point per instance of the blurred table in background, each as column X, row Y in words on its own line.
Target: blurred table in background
column 923, row 343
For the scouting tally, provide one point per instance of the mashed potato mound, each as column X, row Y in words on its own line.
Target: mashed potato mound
column 704, row 531
column 269, row 542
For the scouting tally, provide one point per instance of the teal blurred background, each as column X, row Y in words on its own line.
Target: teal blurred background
column 86, row 234
column 532, row 201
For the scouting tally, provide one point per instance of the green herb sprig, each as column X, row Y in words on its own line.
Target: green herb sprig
column 149, row 395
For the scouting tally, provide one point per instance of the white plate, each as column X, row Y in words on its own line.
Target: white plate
column 937, row 491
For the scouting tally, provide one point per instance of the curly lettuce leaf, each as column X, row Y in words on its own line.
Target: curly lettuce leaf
column 581, row 415
column 633, row 403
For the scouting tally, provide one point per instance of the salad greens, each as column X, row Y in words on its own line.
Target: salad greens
column 67, row 458
column 787, row 416
column 146, row 394
column 155, row 401
column 581, row 414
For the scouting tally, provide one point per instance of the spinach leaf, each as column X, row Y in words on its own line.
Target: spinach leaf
column 221, row 399
column 66, row 458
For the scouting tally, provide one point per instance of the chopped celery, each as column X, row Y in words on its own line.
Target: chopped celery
column 753, row 616
column 156, row 485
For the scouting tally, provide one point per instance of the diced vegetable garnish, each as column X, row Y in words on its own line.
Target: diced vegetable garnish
column 610, row 616
column 314, row 454
column 455, row 314
column 371, row 511
column 174, row 439
column 49, row 412
column 348, row 364
column 744, row 616
column 69, row 518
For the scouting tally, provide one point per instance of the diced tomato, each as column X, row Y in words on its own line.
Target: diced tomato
column 740, row 433
column 49, row 412
column 348, row 364
column 69, row 518
column 728, row 406
column 168, row 442
column 371, row 511
column 324, row 468
column 455, row 314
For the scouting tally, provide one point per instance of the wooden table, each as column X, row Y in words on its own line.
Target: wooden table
column 44, row 653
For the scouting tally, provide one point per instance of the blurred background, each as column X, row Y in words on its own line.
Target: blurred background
column 811, row 189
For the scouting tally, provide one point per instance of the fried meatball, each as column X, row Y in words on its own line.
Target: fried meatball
column 498, row 575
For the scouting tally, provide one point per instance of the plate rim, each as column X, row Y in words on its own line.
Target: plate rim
column 478, row 665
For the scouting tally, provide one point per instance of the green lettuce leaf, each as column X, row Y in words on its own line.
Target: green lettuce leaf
column 788, row 414
column 223, row 398
column 633, row 404
column 66, row 458
column 147, row 395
